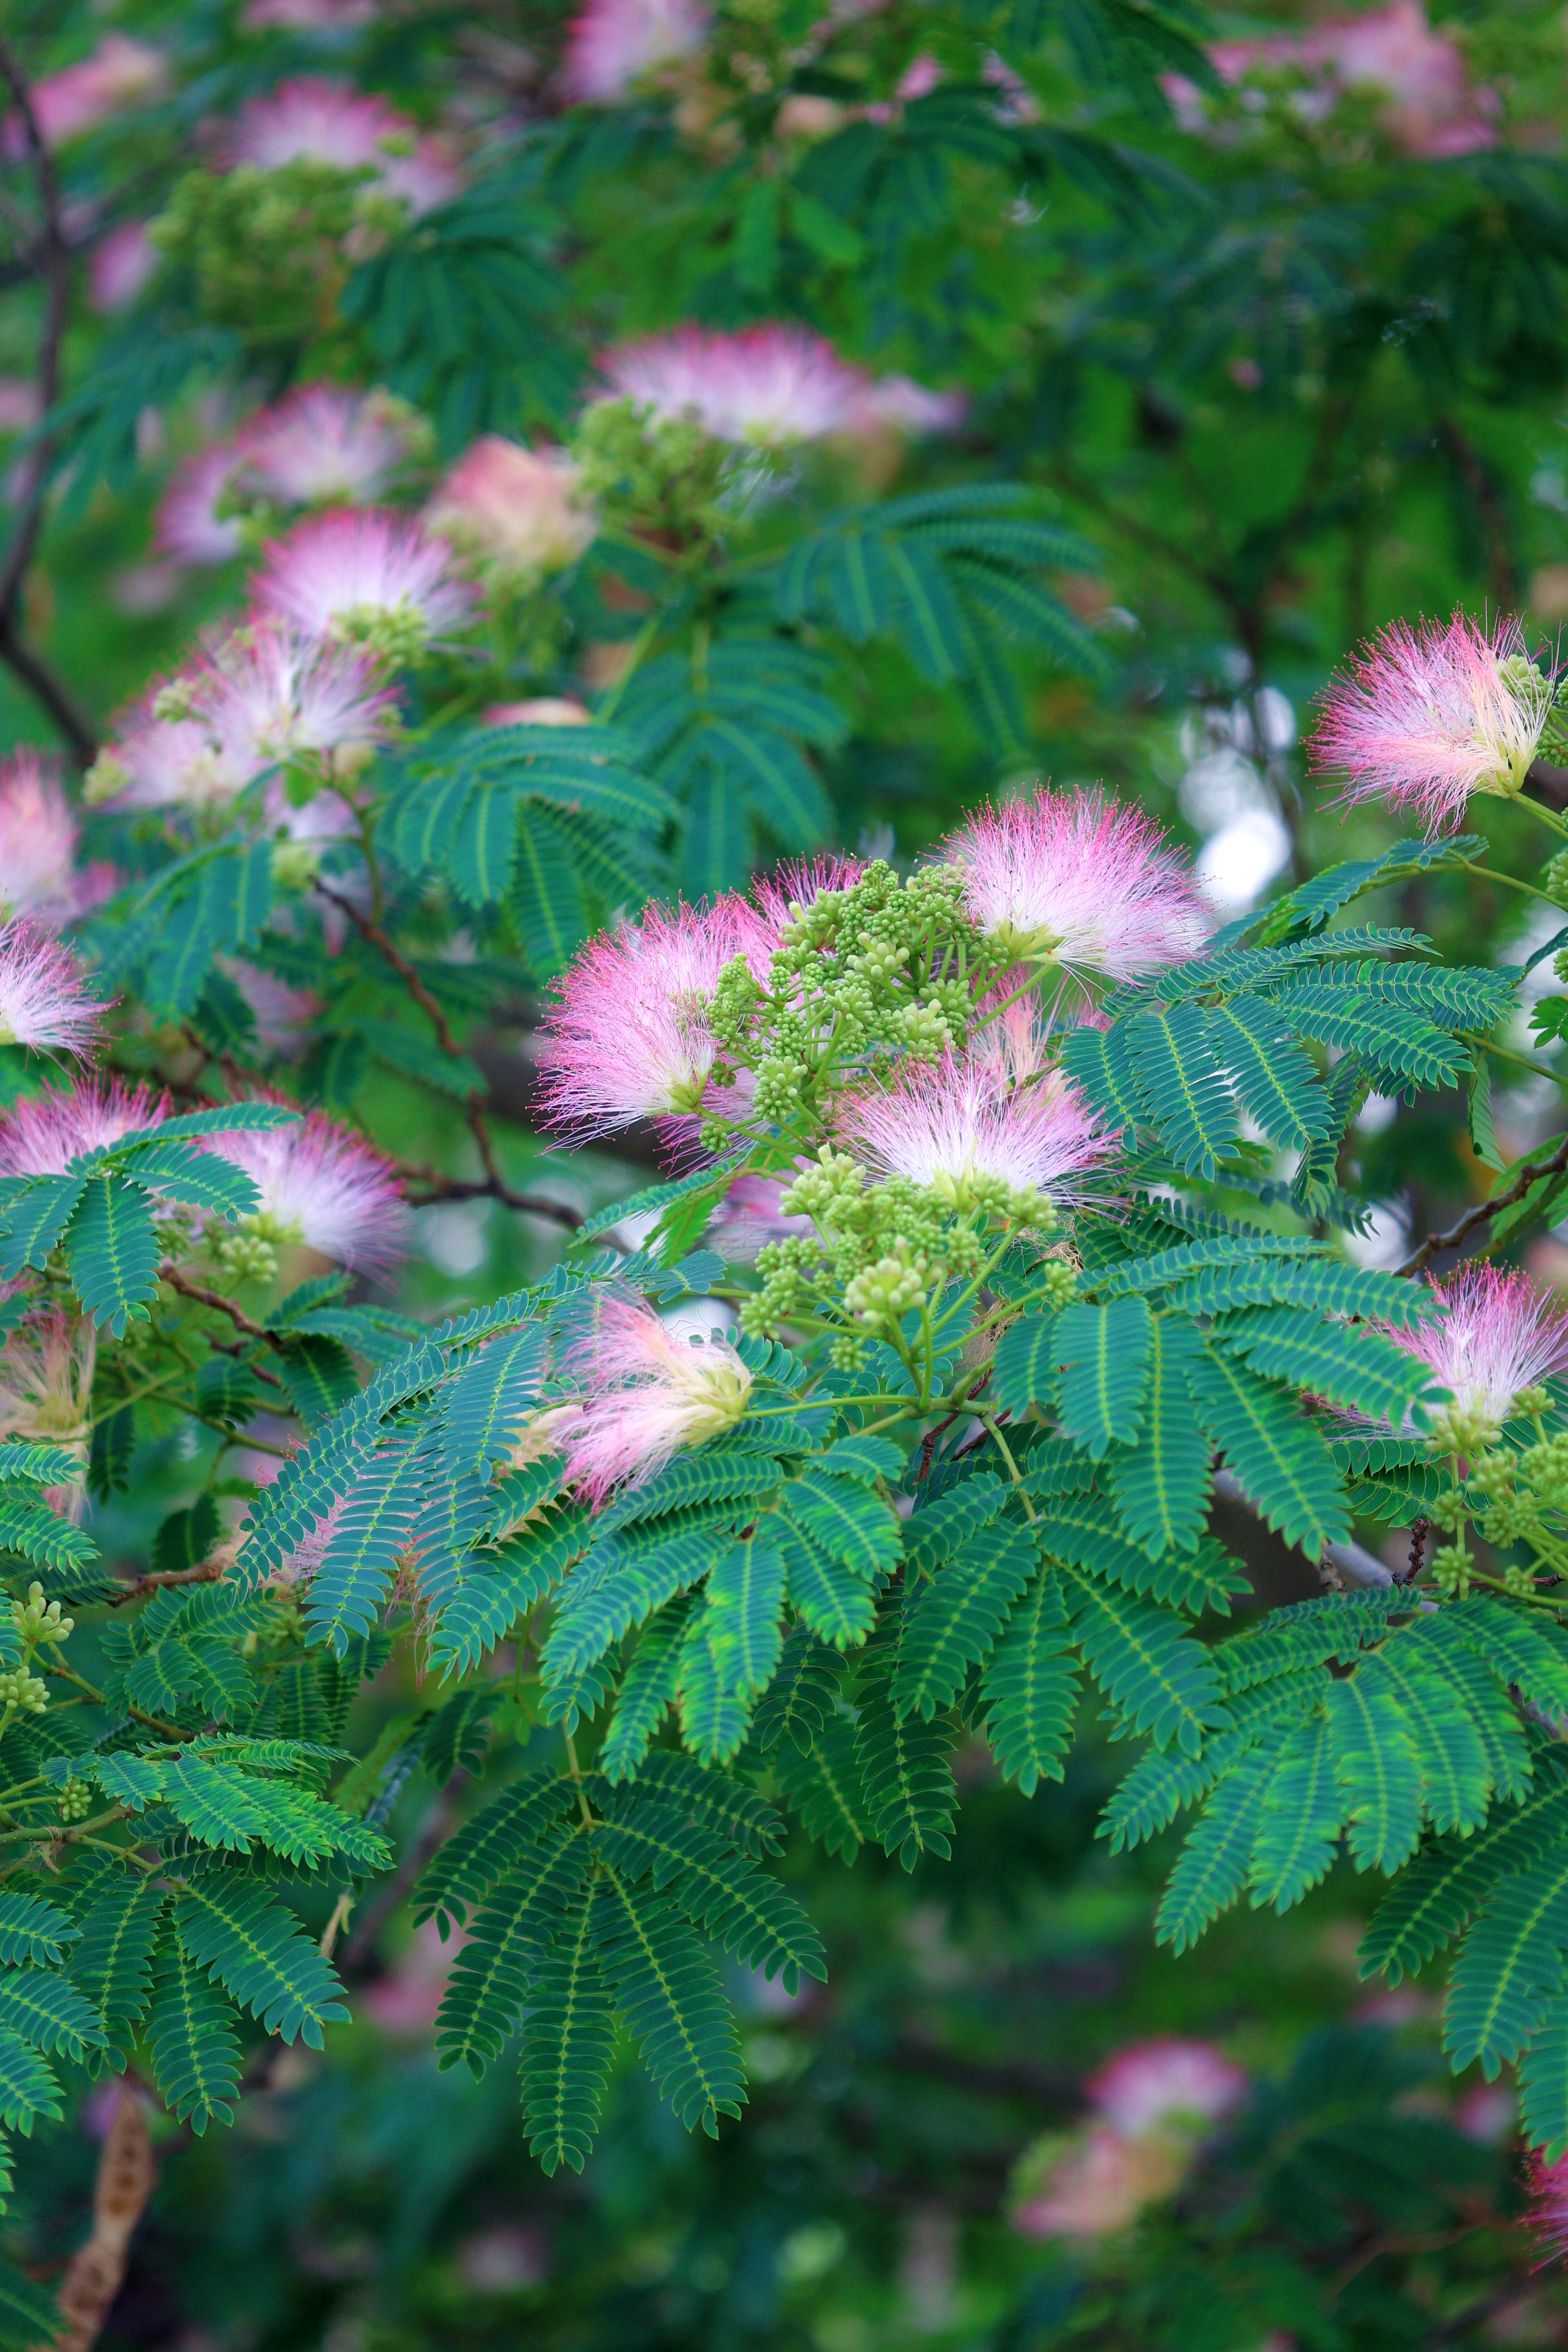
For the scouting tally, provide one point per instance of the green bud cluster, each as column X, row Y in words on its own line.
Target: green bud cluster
column 36, row 1622
column 264, row 246
column 20, row 1689
column 75, row 1800
column 1544, row 1469
column 1451, row 1570
column 1463, row 1429
column 660, row 474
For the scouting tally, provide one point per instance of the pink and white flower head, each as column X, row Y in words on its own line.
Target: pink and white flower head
column 1151, row 2086
column 306, row 16
column 1077, row 879
column 164, row 763
column 516, row 510
column 1431, row 108
column 762, row 387
column 188, row 525
column 38, row 829
column 784, row 895
column 366, row 576
column 961, row 1129
column 321, row 443
column 539, row 711
column 46, row 1387
column 314, row 119
column 913, row 407
column 645, row 1394
column 117, row 74
column 1548, row 2215
column 44, row 1000
column 1496, row 1334
column 1427, row 716
column 268, row 692
column 750, row 1215
column 282, row 1014
column 41, row 1132
column 120, row 265
column 322, row 1187
column 612, row 44
column 628, row 1037
column 1097, row 2185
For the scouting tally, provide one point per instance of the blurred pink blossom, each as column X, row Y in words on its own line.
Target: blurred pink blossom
column 117, row 74
column 332, row 122
column 120, row 265
column 538, row 710
column 1165, row 2080
column 515, row 508
column 38, row 830
column 188, row 525
column 612, row 44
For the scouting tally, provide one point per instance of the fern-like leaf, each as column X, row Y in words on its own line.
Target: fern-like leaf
column 668, row 1991
column 568, row 2041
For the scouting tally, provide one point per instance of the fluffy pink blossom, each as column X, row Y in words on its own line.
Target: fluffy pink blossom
column 46, row 1388
column 117, row 74
column 1432, row 108
column 645, row 1393
column 1167, row 2080
column 750, row 1215
column 188, row 524
column 913, row 407
column 268, row 692
column 1097, row 2185
column 1548, row 2215
column 324, row 1187
column 611, row 43
column 282, row 1014
column 306, row 16
column 798, row 883
column 539, row 711
column 38, row 829
column 40, row 1132
column 767, row 385
column 1427, row 716
column 312, row 119
column 953, row 1124
column 517, row 510
column 119, row 265
column 628, row 1037
column 321, row 442
column 359, row 572
column 156, row 762
column 1076, row 878
column 44, row 1001
column 1496, row 1334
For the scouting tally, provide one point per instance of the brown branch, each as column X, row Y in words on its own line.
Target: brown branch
column 439, row 1186
column 170, row 1273
column 206, row 1571
column 120, row 2189
column 1484, row 1211
column 53, row 266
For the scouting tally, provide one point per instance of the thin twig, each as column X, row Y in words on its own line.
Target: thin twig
column 1484, row 1211
column 438, row 1186
column 170, row 1273
column 53, row 266
column 206, row 1571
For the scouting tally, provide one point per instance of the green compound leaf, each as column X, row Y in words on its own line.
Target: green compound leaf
column 1347, row 1364
column 1543, row 2081
column 1379, row 1771
column 33, row 1929
column 952, row 1619
column 46, row 2010
column 823, row 1788
column 568, row 2042
column 261, row 1953
column 1160, row 1680
column 1281, row 1462
column 722, row 1892
column 744, row 1595
column 1031, row 1689
column 831, row 1595
column 647, row 1692
column 1189, row 1102
column 194, row 2045
column 510, row 1937
column 112, row 1964
column 1024, row 1371
column 1511, row 1956
column 800, row 1698
column 1103, row 1354
column 906, row 1775
column 112, row 1252
column 1299, row 1830
column 1273, row 1079
column 668, row 1989
column 496, row 1388
column 361, row 1555
column 35, row 1217
column 1162, row 1486
column 1212, row 1867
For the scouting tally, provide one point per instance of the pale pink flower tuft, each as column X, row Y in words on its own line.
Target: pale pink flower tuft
column 1427, row 716
column 645, row 1394
column 914, row 407
column 188, row 524
column 765, row 386
column 40, row 1132
column 799, row 884
column 118, row 73
column 321, row 442
column 751, row 1214
column 1076, row 878
column 282, row 1014
column 119, row 265
column 44, row 1001
column 164, row 763
column 953, row 1124
column 1496, row 1334
column 312, row 119
column 1098, row 2186
column 539, row 711
column 1548, row 2215
column 356, row 571
column 1431, row 108
column 268, row 692
column 627, row 1037
column 322, row 1186
column 38, row 829
column 514, row 509
column 306, row 16
column 611, row 43
column 46, row 1387
column 1168, row 2080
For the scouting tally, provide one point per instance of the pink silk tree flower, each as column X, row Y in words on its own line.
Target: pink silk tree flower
column 793, row 888
column 44, row 999
column 361, row 573
column 118, row 74
column 38, row 830
column 751, row 1214
column 761, row 386
column 1548, row 2217
column 628, row 1037
column 515, row 510
column 321, row 442
column 960, row 1127
column 268, row 692
column 282, row 1014
column 41, row 1132
column 156, row 762
column 1169, row 2079
column 119, row 265
column 645, row 1393
column 312, row 119
column 1427, row 716
column 1077, row 880
column 913, row 407
column 1496, row 1334
column 46, row 1388
column 322, row 1186
column 539, row 711
column 188, row 525
column 611, row 43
